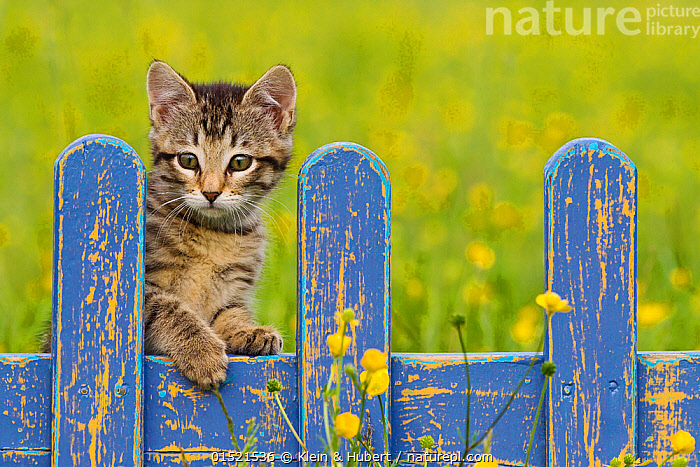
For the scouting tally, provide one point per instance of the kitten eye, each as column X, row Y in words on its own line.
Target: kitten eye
column 188, row 161
column 240, row 162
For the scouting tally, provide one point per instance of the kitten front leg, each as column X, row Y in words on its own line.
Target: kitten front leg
column 178, row 332
column 242, row 335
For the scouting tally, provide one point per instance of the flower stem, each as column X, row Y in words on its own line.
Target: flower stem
column 667, row 459
column 331, row 444
column 183, row 458
column 537, row 417
column 229, row 421
column 469, row 394
column 386, row 433
column 362, row 411
column 512, row 395
column 289, row 424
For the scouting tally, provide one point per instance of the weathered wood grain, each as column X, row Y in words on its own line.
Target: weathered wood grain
column 25, row 401
column 343, row 250
column 25, row 458
column 177, row 414
column 669, row 400
column 590, row 253
column 429, row 397
column 97, row 338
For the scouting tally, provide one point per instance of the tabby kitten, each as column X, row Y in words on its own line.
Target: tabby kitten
column 218, row 150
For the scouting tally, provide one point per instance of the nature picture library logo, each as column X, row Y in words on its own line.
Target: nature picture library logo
column 659, row 20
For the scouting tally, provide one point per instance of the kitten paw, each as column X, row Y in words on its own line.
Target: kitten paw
column 205, row 364
column 261, row 340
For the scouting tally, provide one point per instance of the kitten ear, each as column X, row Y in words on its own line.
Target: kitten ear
column 276, row 93
column 167, row 91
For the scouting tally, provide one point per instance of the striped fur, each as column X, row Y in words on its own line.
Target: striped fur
column 203, row 258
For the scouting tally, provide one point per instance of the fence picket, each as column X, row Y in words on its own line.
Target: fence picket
column 590, row 236
column 97, row 340
column 343, row 261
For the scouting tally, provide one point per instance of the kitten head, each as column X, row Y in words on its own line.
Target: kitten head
column 218, row 149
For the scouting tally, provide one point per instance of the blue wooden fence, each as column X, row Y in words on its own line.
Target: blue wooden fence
column 95, row 401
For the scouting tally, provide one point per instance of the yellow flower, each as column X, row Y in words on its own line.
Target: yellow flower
column 505, row 216
column 681, row 277
column 373, row 360
column 347, row 425
column 651, row 313
column 682, row 442
column 523, row 331
column 525, row 328
column 552, row 303
column 378, row 381
column 475, row 293
column 480, row 254
column 558, row 129
column 486, row 464
column 334, row 342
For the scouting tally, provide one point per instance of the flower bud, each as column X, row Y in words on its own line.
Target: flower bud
column 457, row 320
column 679, row 462
column 427, row 442
column 629, row 459
column 616, row 462
column 350, row 370
column 348, row 315
column 548, row 368
column 273, row 386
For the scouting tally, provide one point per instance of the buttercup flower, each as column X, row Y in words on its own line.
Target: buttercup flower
column 682, row 442
column 347, row 425
column 373, row 360
column 335, row 341
column 553, row 303
column 480, row 254
column 378, row 381
column 486, row 464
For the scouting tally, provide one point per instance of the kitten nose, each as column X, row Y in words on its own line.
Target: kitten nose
column 211, row 195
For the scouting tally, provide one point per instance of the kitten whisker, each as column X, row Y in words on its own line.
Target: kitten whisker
column 272, row 218
column 171, row 214
column 168, row 202
column 266, row 197
column 186, row 219
column 180, row 208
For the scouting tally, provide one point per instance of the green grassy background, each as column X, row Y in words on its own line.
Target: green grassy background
column 464, row 121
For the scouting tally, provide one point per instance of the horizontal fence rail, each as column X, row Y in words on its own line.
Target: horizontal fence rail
column 96, row 401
